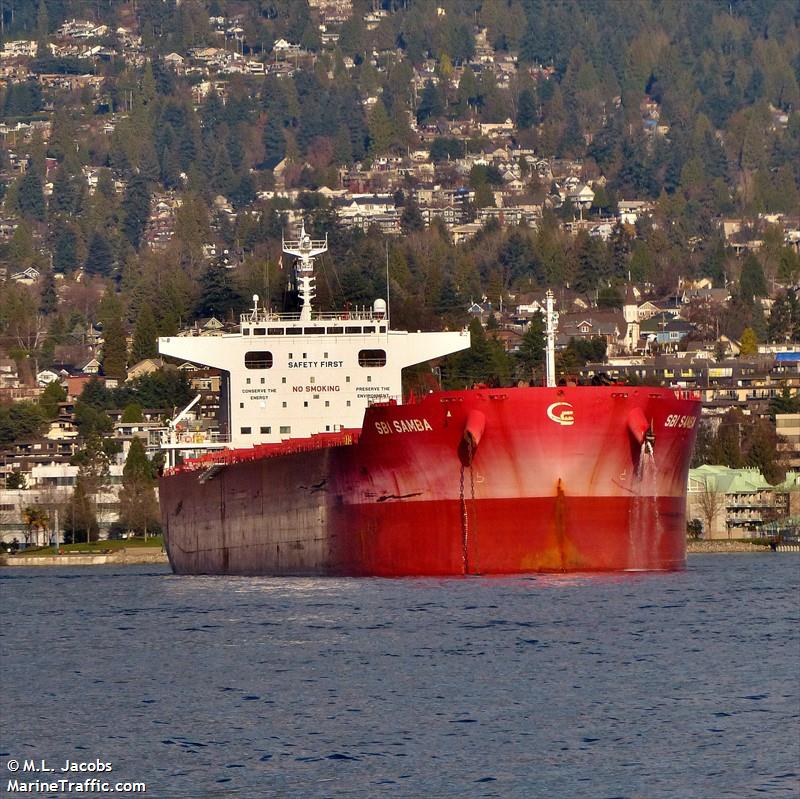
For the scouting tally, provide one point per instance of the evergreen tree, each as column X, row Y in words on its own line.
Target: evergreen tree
column 411, row 218
column 752, row 282
column 526, row 110
column 136, row 210
column 132, row 412
column 62, row 199
column 244, row 192
column 431, row 104
column 30, row 196
column 726, row 450
column 144, row 336
column 219, row 293
column 222, row 178
column 114, row 357
column 170, row 168
column 530, row 355
column 138, row 506
column 65, row 251
column 380, row 129
column 42, row 30
column 48, row 299
column 762, row 451
column 274, row 141
column 50, row 397
column 100, row 257
column 149, row 167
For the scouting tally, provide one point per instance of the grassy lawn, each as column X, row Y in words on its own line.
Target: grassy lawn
column 97, row 547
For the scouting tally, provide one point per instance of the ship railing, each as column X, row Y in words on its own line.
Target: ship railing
column 264, row 317
column 229, row 457
column 160, row 436
column 686, row 394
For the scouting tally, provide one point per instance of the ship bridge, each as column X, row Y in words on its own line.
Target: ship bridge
column 291, row 375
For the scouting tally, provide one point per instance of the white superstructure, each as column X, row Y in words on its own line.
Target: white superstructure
column 289, row 375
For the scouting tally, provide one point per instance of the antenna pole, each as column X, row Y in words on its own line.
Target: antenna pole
column 388, row 299
column 551, row 321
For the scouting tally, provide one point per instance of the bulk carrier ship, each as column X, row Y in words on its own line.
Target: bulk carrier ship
column 325, row 471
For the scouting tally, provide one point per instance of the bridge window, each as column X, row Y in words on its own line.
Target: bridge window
column 311, row 331
column 258, row 359
column 259, row 331
column 352, row 330
column 335, row 331
column 245, row 431
column 275, row 331
column 372, row 357
column 369, row 329
column 294, row 331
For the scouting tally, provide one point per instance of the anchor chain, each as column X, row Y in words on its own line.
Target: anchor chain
column 465, row 508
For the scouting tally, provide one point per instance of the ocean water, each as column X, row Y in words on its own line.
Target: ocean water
column 638, row 685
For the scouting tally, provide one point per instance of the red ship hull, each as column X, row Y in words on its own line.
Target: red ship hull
column 486, row 481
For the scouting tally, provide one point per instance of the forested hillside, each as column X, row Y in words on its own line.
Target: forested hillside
column 148, row 182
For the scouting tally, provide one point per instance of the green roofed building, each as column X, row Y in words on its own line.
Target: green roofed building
column 737, row 503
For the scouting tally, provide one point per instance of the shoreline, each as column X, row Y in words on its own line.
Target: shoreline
column 127, row 557
column 156, row 555
column 723, row 546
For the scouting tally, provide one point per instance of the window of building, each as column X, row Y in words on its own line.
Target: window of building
column 263, row 380
column 305, row 404
column 266, row 430
column 348, row 403
column 248, row 381
column 327, row 404
column 245, row 331
column 283, row 380
column 369, row 378
column 258, row 359
column 245, row 431
column 313, row 379
column 284, row 404
column 241, row 405
column 371, row 358
column 286, row 429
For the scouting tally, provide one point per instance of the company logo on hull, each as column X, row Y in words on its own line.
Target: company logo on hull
column 561, row 413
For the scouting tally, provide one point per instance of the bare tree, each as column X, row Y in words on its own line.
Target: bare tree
column 710, row 502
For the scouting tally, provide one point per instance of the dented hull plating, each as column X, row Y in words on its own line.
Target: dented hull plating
column 487, row 481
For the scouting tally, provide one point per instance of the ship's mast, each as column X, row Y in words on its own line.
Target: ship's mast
column 551, row 324
column 305, row 249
